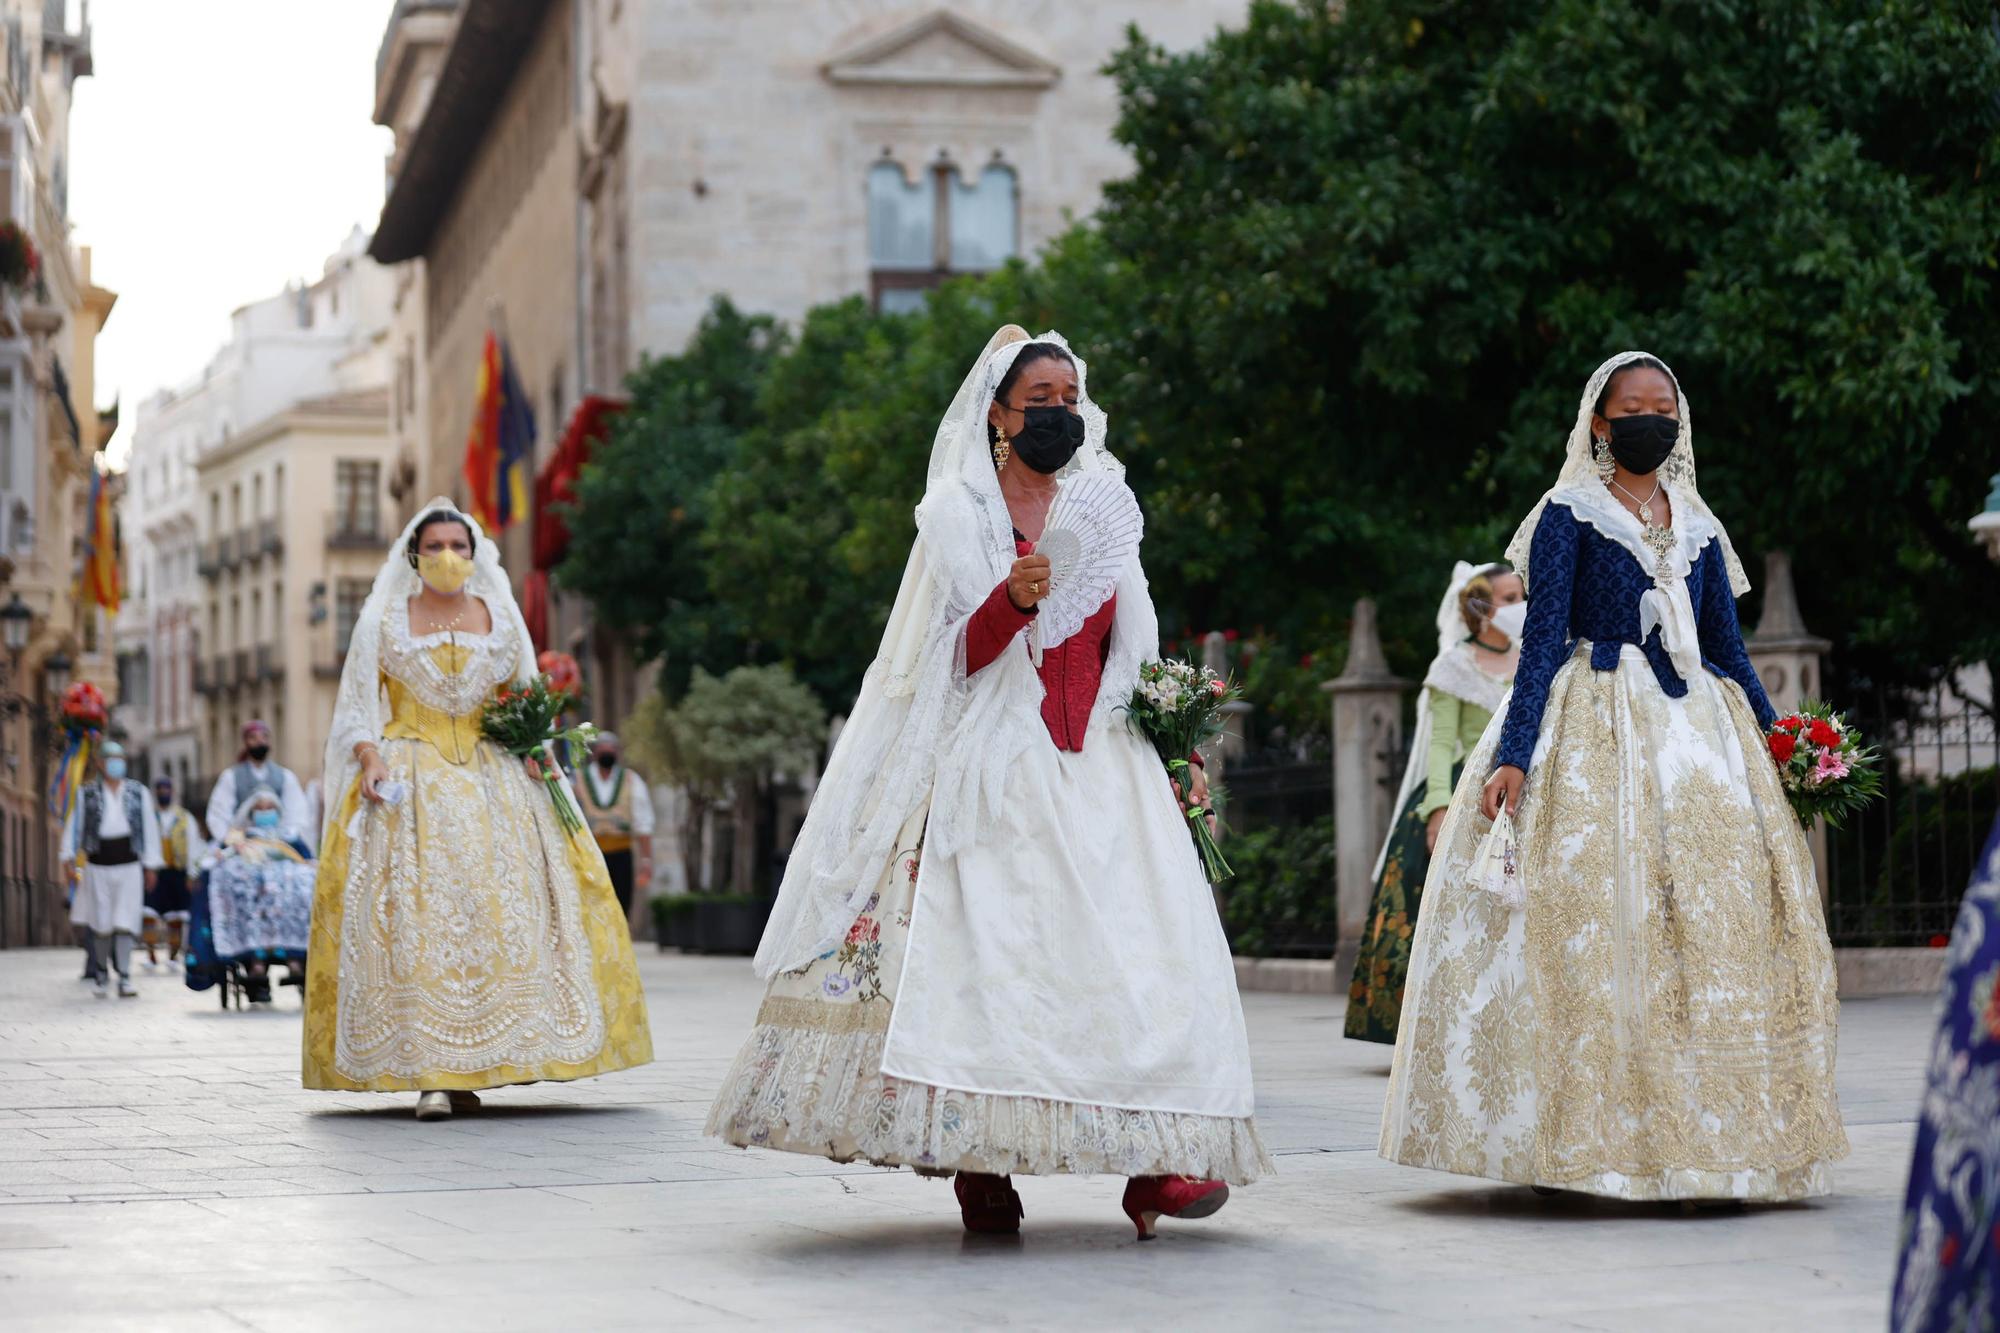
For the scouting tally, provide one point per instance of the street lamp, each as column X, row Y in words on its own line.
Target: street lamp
column 55, row 669
column 16, row 621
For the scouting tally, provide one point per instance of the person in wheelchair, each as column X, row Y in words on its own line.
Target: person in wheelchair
column 255, row 908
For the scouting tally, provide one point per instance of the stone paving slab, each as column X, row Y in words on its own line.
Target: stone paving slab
column 161, row 1169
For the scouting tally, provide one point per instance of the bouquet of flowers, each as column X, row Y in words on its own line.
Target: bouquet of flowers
column 562, row 672
column 1178, row 707
column 83, row 708
column 1828, row 773
column 525, row 721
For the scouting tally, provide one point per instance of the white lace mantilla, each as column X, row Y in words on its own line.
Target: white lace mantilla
column 1457, row 673
column 823, row 1093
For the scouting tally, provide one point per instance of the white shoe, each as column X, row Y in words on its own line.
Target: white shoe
column 101, row 988
column 433, row 1106
column 126, row 990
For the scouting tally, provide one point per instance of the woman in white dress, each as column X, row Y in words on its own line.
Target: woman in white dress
column 994, row 952
column 462, row 938
column 1659, row 1020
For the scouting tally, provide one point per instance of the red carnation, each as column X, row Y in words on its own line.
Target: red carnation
column 1792, row 723
column 1782, row 746
column 1821, row 732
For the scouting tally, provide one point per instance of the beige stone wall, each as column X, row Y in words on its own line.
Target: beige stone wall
column 507, row 246
column 750, row 160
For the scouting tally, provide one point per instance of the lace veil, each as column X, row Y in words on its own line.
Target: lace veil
column 920, row 728
column 361, row 709
column 1579, row 477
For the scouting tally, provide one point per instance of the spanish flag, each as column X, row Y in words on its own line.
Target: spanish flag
column 99, row 579
column 500, row 449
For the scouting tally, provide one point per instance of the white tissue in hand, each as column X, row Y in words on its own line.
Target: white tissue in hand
column 392, row 793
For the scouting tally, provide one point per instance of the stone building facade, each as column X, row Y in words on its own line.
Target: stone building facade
column 256, row 497
column 587, row 176
column 51, row 440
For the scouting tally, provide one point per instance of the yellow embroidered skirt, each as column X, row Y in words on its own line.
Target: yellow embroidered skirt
column 461, row 940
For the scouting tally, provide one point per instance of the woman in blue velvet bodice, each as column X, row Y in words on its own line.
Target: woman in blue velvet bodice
column 1657, row 1019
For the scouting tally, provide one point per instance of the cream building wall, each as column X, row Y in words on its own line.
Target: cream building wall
column 273, row 609
column 51, row 437
column 754, row 125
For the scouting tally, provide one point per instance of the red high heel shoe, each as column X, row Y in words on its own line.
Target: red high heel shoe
column 988, row 1203
column 1149, row 1198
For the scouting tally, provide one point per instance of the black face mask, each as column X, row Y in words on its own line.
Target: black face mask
column 258, row 753
column 1049, row 439
column 1642, row 443
column 607, row 762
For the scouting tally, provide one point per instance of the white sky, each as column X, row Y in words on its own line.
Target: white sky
column 221, row 149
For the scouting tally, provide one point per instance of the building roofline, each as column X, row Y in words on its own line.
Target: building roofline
column 479, row 66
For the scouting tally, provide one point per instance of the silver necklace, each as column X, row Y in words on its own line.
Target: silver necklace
column 1659, row 538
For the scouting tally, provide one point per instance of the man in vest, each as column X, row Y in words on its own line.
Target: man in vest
column 255, row 768
column 111, row 851
column 180, row 847
column 620, row 811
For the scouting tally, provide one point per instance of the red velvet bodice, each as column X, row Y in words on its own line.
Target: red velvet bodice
column 1071, row 671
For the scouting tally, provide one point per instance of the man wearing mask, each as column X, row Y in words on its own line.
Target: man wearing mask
column 114, row 832
column 620, row 811
column 254, row 768
column 180, row 847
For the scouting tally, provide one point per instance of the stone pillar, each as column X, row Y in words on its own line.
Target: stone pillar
column 1367, row 737
column 1787, row 660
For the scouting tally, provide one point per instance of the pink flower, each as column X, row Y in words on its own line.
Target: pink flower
column 1218, row 687
column 1829, row 767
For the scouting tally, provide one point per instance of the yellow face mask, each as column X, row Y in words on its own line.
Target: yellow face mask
column 446, row 571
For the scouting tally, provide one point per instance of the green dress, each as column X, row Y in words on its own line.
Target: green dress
column 1461, row 699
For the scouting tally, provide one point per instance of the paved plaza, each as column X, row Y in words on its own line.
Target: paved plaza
column 162, row 1170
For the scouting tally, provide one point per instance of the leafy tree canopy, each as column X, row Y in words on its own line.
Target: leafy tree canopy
column 1341, row 311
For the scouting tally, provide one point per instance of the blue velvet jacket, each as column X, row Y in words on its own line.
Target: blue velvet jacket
column 1584, row 585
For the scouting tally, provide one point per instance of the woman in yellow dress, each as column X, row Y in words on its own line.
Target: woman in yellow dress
column 461, row 939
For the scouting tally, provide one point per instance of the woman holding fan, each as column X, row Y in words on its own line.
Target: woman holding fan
column 1657, row 1019
column 465, row 935
column 995, row 952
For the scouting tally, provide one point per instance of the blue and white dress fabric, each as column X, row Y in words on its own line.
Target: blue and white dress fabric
column 1949, row 1276
column 1659, row 1020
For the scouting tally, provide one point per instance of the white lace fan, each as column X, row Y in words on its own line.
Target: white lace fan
column 1093, row 528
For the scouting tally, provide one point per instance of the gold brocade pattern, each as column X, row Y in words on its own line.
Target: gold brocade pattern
column 462, row 940
column 1660, row 1020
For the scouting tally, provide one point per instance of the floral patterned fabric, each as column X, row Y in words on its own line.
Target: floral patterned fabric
column 810, row 1079
column 1949, row 1275
column 260, row 903
column 1375, row 995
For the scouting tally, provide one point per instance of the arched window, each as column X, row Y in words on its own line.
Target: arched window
column 920, row 234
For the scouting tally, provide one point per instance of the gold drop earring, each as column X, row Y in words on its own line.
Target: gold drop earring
column 1002, row 450
column 1600, row 457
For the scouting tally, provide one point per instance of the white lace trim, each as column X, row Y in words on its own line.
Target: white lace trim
column 490, row 661
column 1458, row 674
column 824, row 1094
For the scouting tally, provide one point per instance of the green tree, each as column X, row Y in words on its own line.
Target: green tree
column 1378, row 247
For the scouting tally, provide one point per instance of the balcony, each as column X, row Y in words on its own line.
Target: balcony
column 354, row 532
column 204, row 678
column 270, row 666
column 225, row 552
column 207, row 560
column 270, row 537
column 240, row 668
column 218, row 673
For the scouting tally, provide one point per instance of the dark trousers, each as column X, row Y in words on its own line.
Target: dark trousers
column 619, row 864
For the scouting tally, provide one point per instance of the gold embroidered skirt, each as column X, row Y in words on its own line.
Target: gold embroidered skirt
column 462, row 940
column 1659, row 1021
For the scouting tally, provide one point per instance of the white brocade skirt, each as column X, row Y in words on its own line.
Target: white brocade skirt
column 1068, row 1003
column 1660, row 1020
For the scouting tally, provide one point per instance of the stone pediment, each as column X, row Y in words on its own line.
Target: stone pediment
column 941, row 49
